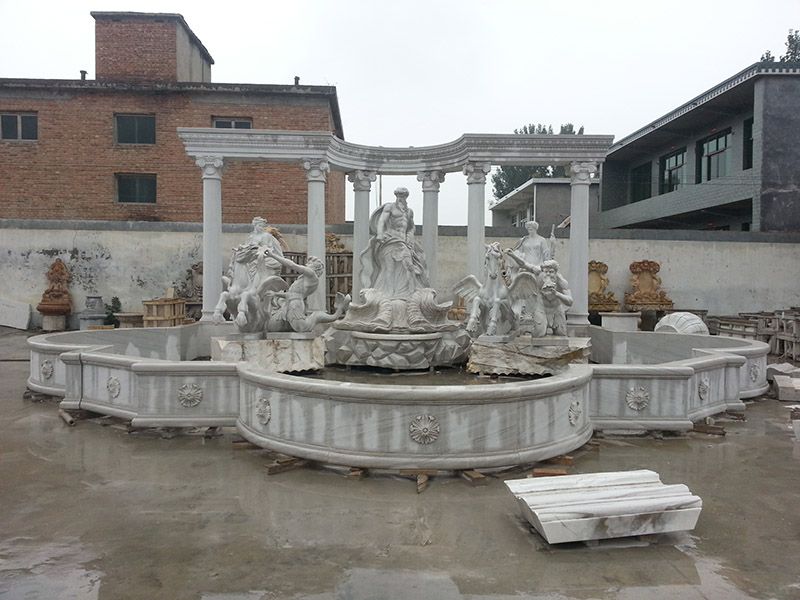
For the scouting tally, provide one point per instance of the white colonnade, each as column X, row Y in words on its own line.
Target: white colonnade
column 320, row 152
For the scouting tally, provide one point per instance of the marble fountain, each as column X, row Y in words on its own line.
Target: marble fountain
column 376, row 383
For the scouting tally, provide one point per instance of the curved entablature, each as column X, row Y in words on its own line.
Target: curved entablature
column 495, row 149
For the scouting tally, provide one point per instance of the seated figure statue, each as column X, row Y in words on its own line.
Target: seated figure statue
column 291, row 313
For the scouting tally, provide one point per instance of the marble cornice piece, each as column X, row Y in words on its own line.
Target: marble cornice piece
column 497, row 149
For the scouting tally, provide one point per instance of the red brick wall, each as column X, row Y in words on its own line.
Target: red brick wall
column 136, row 49
column 69, row 172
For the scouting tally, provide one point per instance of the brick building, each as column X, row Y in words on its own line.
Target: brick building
column 107, row 149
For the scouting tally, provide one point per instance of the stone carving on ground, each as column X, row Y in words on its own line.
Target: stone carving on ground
column 646, row 293
column 600, row 300
column 546, row 310
column 545, row 356
column 490, row 304
column 191, row 288
column 396, row 303
column 682, row 322
column 333, row 244
column 56, row 299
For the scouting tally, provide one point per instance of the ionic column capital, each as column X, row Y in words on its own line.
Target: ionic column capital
column 316, row 169
column 211, row 166
column 430, row 180
column 362, row 180
column 581, row 172
column 476, row 172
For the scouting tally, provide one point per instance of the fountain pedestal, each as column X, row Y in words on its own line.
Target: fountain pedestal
column 280, row 353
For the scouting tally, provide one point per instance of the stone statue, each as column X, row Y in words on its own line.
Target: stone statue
column 290, row 312
column 646, row 293
column 533, row 248
column 251, row 275
column 546, row 310
column 392, row 262
column 490, row 303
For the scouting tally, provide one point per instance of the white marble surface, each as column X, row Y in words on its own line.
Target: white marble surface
column 604, row 505
column 621, row 321
column 14, row 314
column 281, row 353
column 520, row 357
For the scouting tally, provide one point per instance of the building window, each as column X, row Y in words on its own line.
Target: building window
column 641, row 182
column 19, row 126
column 136, row 187
column 747, row 150
column 671, row 171
column 519, row 219
column 713, row 155
column 136, row 129
column 233, row 122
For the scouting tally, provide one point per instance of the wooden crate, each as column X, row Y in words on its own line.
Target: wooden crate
column 736, row 327
column 164, row 312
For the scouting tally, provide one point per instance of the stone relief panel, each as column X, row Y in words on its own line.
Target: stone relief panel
column 113, row 386
column 703, row 388
column 47, row 369
column 190, row 395
column 637, row 398
column 754, row 371
column 575, row 412
column 424, row 429
column 263, row 411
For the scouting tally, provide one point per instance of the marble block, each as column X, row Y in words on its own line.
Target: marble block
column 14, row 314
column 54, row 322
column 786, row 369
column 787, row 388
column 621, row 321
column 281, row 353
column 522, row 357
column 595, row 506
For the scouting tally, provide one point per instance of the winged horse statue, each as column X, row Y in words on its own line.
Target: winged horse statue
column 490, row 303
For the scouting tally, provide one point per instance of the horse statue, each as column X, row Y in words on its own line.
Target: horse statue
column 247, row 288
column 490, row 303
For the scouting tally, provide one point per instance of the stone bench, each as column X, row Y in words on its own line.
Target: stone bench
column 596, row 506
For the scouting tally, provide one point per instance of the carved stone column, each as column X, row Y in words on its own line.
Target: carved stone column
column 211, row 167
column 362, row 184
column 580, row 174
column 476, row 216
column 316, row 175
column 430, row 220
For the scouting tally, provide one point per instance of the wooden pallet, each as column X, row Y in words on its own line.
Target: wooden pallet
column 164, row 312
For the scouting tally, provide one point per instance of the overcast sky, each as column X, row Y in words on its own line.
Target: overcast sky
column 416, row 73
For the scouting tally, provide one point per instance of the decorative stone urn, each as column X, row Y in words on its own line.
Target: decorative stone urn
column 600, row 300
column 646, row 293
column 56, row 301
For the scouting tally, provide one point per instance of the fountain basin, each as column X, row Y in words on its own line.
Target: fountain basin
column 641, row 380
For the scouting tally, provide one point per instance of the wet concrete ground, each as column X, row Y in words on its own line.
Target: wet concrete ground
column 94, row 512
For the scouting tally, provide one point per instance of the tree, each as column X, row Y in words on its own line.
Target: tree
column 792, row 49
column 507, row 179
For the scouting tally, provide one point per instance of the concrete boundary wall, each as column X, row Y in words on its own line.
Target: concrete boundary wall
column 723, row 272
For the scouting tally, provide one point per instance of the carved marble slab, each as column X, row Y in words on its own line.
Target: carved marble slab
column 597, row 506
column 281, row 353
column 521, row 357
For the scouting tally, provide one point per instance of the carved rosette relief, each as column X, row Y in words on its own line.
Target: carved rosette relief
column 190, row 395
column 47, row 369
column 113, row 386
column 637, row 398
column 575, row 412
column 754, row 371
column 263, row 411
column 424, row 429
column 703, row 388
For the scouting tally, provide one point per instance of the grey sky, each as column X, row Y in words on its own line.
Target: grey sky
column 416, row 73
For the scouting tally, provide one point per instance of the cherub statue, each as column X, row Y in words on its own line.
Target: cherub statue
column 553, row 298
